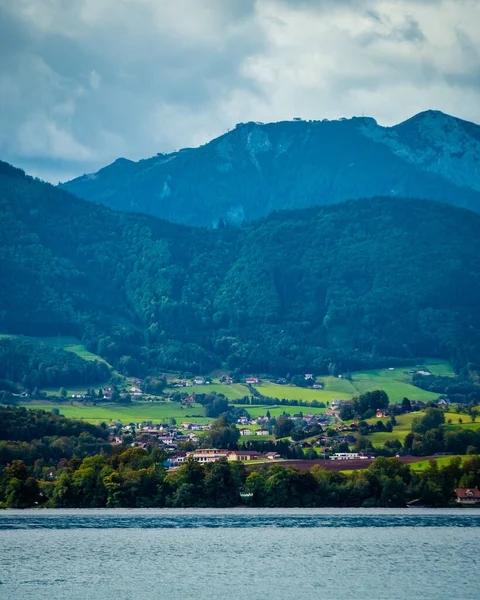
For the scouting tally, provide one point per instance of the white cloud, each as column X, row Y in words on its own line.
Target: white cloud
column 87, row 81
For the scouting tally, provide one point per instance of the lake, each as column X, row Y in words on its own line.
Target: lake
column 240, row 554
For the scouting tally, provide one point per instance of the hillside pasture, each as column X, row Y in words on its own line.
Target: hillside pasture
column 157, row 412
column 277, row 411
column 397, row 384
column 232, row 392
column 291, row 392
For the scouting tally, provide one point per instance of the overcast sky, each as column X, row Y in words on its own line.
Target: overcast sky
column 83, row 82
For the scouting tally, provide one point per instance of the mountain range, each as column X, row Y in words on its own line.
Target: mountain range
column 256, row 169
column 368, row 282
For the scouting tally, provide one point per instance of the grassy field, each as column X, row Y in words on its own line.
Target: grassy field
column 232, row 392
column 396, row 383
column 290, row 392
column 276, row 411
column 400, row 431
column 442, row 461
column 156, row 412
column 404, row 425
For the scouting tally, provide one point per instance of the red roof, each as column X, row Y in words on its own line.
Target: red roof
column 468, row 493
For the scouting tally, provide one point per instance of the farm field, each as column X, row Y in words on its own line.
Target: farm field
column 290, row 392
column 232, row 392
column 400, row 431
column 394, row 383
column 404, row 425
column 135, row 412
column 276, row 411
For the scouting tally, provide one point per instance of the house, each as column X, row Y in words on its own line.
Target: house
column 382, row 412
column 318, row 386
column 199, row 381
column 246, row 431
column 468, row 496
column 346, row 456
column 272, row 455
column 189, row 399
column 303, row 445
column 262, row 432
column 308, row 376
column 423, row 372
column 243, row 455
column 251, row 380
column 228, row 380
column 243, row 420
column 205, row 455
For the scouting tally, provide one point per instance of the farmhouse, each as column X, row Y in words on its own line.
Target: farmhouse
column 251, row 380
column 199, row 381
column 272, row 455
column 243, row 455
column 308, row 376
column 262, row 431
column 246, row 431
column 382, row 412
column 468, row 496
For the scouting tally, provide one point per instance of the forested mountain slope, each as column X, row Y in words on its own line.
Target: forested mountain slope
column 256, row 169
column 357, row 284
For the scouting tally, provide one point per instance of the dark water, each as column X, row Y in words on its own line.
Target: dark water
column 240, row 554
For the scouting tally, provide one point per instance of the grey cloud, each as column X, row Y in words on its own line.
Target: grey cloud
column 85, row 82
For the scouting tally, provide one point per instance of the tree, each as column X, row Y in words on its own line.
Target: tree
column 432, row 419
column 283, row 427
column 63, row 393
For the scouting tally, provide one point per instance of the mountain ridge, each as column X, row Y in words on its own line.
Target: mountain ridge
column 296, row 164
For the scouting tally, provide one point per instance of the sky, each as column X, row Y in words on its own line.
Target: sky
column 83, row 82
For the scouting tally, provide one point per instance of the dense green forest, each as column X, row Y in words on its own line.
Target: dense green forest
column 36, row 366
column 258, row 168
column 332, row 289
column 45, row 439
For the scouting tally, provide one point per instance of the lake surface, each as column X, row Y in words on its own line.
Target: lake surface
column 240, row 554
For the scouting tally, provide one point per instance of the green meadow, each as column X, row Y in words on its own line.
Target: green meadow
column 156, row 412
column 232, row 392
column 442, row 461
column 404, row 425
column 396, row 382
column 276, row 411
column 290, row 392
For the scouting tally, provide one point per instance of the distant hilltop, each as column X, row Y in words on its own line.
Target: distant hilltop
column 256, row 169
